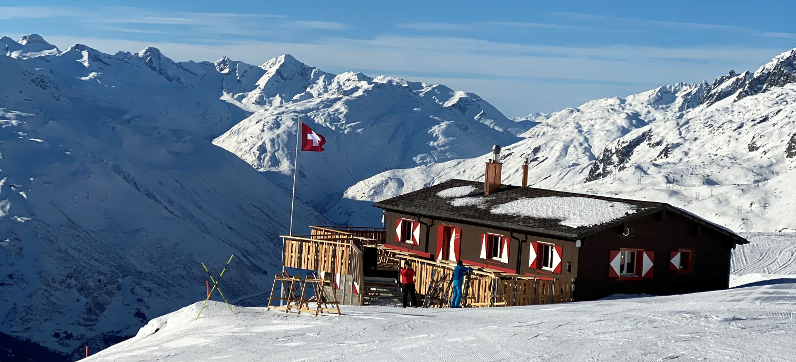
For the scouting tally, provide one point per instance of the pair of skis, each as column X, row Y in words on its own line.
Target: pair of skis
column 215, row 286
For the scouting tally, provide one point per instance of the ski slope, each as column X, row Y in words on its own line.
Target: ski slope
column 754, row 321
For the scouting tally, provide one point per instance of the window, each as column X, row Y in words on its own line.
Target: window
column 448, row 242
column 681, row 261
column 632, row 264
column 495, row 247
column 407, row 227
column 547, row 256
column 544, row 256
column 627, row 264
column 495, row 243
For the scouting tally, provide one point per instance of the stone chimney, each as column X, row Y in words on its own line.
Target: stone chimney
column 492, row 175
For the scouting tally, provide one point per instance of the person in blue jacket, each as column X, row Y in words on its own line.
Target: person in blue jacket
column 458, row 280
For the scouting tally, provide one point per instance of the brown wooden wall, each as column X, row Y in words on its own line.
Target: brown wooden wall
column 470, row 251
column 710, row 266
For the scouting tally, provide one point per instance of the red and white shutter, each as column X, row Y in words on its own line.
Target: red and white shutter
column 533, row 253
column 337, row 281
column 674, row 260
column 356, row 288
column 440, row 241
column 483, row 246
column 504, row 255
column 614, row 263
column 647, row 264
column 416, row 233
column 457, row 242
column 398, row 236
column 557, row 253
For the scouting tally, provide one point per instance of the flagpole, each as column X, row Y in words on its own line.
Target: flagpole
column 292, row 207
column 295, row 171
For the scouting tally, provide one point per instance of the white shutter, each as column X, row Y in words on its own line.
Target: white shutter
column 556, row 257
column 616, row 263
column 646, row 264
column 675, row 262
column 452, row 246
column 504, row 256
column 399, row 238
column 483, row 246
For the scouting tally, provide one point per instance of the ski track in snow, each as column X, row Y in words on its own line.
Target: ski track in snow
column 753, row 321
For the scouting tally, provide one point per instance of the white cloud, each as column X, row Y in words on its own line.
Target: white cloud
column 434, row 26
column 779, row 35
column 325, row 25
column 38, row 12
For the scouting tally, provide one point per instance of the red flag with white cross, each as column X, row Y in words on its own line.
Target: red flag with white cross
column 311, row 141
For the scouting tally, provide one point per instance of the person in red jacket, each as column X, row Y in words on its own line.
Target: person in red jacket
column 408, row 283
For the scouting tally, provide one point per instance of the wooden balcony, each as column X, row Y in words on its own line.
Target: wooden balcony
column 341, row 250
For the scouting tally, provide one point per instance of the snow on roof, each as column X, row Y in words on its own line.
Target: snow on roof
column 457, row 191
column 470, row 201
column 572, row 211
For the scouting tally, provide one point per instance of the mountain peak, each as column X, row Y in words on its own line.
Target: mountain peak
column 32, row 39
column 283, row 61
column 222, row 65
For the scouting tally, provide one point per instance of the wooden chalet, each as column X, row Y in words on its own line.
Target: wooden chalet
column 528, row 245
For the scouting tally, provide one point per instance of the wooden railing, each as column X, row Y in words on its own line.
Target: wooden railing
column 486, row 289
column 372, row 234
column 314, row 254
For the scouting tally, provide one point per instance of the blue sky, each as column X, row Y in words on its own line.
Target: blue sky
column 522, row 57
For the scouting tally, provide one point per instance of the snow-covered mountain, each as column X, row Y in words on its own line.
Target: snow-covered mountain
column 725, row 150
column 111, row 194
column 370, row 125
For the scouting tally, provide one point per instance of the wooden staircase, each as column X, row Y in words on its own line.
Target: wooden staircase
column 382, row 291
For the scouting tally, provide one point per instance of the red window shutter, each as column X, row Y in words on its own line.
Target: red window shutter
column 484, row 251
column 416, row 233
column 504, row 254
column 647, row 264
column 613, row 264
column 440, row 241
column 533, row 257
column 398, row 236
column 558, row 252
column 457, row 242
column 674, row 260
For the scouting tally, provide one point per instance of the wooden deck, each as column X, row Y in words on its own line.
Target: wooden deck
column 335, row 250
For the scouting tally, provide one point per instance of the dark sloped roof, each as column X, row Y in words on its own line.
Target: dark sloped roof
column 426, row 202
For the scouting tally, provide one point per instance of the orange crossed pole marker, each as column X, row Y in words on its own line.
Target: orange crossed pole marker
column 215, row 286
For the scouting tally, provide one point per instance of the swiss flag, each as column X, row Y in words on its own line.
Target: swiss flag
column 311, row 141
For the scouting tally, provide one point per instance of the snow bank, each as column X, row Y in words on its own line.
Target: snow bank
column 457, row 191
column 572, row 211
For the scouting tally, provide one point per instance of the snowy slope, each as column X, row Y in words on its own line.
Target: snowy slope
column 111, row 194
column 752, row 321
column 705, row 147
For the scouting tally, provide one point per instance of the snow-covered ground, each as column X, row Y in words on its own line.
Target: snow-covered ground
column 753, row 321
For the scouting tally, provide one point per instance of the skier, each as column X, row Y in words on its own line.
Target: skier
column 458, row 279
column 408, row 283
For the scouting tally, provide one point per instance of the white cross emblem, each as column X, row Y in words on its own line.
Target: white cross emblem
column 314, row 138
